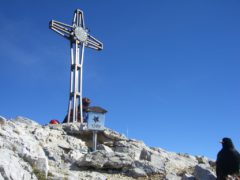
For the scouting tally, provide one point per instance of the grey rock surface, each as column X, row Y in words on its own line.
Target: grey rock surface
column 13, row 167
column 172, row 177
column 188, row 177
column 63, row 151
column 203, row 171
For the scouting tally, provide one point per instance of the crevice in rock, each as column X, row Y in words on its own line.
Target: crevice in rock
column 2, row 172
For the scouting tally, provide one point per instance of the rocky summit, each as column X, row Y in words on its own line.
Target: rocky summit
column 29, row 151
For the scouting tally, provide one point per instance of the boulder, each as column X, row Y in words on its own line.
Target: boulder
column 203, row 171
column 118, row 161
column 112, row 135
column 146, row 167
column 94, row 160
column 42, row 165
column 104, row 160
column 104, row 148
column 130, row 147
column 179, row 164
column 145, row 155
column 13, row 167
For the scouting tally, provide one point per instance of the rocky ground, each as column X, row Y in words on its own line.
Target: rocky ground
column 29, row 151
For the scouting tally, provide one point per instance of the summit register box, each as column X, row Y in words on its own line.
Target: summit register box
column 96, row 118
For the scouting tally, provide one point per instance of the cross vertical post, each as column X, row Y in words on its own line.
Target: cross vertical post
column 79, row 38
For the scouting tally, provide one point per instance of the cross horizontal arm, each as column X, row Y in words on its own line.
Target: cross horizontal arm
column 94, row 43
column 61, row 28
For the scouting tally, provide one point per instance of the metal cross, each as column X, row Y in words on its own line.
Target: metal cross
column 79, row 38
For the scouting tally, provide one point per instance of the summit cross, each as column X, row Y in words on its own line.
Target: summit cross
column 79, row 38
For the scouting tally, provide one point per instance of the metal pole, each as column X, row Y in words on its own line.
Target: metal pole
column 81, row 79
column 94, row 141
column 75, row 111
column 71, row 84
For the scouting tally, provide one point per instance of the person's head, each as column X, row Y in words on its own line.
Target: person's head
column 227, row 143
column 86, row 102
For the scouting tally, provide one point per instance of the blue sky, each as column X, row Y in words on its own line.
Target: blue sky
column 168, row 74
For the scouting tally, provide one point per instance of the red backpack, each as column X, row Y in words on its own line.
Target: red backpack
column 54, row 121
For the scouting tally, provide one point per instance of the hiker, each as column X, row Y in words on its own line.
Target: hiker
column 85, row 104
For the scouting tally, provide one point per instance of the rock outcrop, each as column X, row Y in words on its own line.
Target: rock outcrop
column 29, row 151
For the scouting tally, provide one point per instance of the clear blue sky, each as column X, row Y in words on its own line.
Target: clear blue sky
column 169, row 71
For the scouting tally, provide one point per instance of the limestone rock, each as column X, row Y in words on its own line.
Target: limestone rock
column 104, row 148
column 146, row 167
column 202, row 160
column 102, row 159
column 131, row 147
column 23, row 121
column 138, row 172
column 42, row 165
column 188, row 177
column 2, row 120
column 13, row 167
column 71, row 128
column 92, row 175
column 95, row 160
column 203, row 171
column 113, row 135
column 172, row 177
column 145, row 155
column 63, row 151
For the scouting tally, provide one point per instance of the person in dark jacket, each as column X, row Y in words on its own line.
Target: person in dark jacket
column 85, row 102
column 228, row 160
